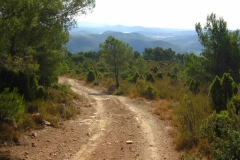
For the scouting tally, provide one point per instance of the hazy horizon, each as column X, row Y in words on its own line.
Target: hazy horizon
column 173, row 14
column 102, row 24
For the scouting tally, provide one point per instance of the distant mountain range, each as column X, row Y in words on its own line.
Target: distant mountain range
column 88, row 38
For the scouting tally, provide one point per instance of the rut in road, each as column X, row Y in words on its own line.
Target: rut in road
column 117, row 120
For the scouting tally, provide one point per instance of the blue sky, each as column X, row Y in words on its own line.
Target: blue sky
column 181, row 14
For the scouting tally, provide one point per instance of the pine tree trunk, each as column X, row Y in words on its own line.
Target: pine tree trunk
column 117, row 83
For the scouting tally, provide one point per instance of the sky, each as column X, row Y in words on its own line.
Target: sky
column 181, row 14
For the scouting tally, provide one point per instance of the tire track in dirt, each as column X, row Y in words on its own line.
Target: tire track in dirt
column 99, row 121
column 156, row 131
column 117, row 120
column 145, row 122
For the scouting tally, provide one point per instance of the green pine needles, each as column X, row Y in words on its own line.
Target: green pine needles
column 11, row 104
column 221, row 91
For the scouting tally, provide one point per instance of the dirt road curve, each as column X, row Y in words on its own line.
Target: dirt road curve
column 109, row 127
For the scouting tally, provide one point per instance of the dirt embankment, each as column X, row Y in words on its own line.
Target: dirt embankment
column 109, row 127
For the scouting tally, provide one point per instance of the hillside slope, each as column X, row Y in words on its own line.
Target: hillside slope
column 90, row 42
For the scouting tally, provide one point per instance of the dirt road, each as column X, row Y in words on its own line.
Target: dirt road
column 119, row 121
column 110, row 127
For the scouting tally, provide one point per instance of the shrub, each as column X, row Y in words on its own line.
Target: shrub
column 221, row 91
column 90, row 76
column 78, row 71
column 194, row 86
column 150, row 93
column 135, row 77
column 65, row 89
column 41, row 92
column 11, row 104
column 56, row 86
column 118, row 91
column 215, row 93
column 47, row 111
column 191, row 113
column 57, row 96
column 160, row 75
column 233, row 110
column 8, row 132
column 95, row 83
column 38, row 119
column 112, row 89
column 154, row 69
column 27, row 122
column 67, row 112
column 171, row 76
column 140, row 86
column 164, row 109
column 220, row 132
column 235, row 102
column 150, row 78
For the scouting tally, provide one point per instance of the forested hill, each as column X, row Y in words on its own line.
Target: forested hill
column 88, row 39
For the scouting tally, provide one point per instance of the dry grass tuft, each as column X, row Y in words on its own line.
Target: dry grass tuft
column 165, row 109
column 9, row 132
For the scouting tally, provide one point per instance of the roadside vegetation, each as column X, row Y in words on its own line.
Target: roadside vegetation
column 32, row 56
column 197, row 93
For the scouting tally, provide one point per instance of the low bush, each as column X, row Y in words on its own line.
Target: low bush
column 65, row 89
column 150, row 78
column 38, row 119
column 62, row 95
column 118, row 91
column 133, row 78
column 55, row 104
column 171, row 76
column 41, row 92
column 140, row 86
column 160, row 75
column 95, row 83
column 50, row 112
column 221, row 91
column 191, row 113
column 91, row 76
column 150, row 93
column 8, row 132
column 219, row 131
column 68, row 112
column 154, row 69
column 164, row 109
column 11, row 104
column 194, row 86
column 27, row 122
column 78, row 71
column 56, row 86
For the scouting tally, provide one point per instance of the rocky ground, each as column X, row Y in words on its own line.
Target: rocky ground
column 109, row 127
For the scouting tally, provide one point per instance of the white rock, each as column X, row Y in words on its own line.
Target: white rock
column 46, row 123
column 129, row 142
